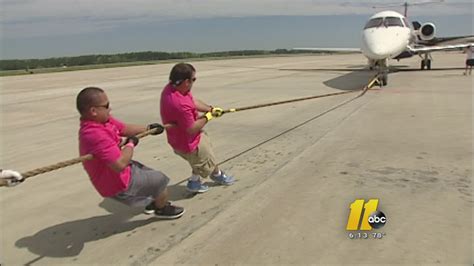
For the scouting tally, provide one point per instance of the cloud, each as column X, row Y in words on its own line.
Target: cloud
column 33, row 18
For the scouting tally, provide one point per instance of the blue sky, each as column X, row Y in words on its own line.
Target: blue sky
column 52, row 28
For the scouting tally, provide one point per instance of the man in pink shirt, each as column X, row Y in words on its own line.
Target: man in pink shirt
column 186, row 137
column 112, row 171
column 469, row 50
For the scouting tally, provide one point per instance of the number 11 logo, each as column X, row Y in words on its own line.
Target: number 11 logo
column 356, row 213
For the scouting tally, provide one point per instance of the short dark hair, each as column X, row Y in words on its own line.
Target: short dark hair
column 87, row 98
column 181, row 72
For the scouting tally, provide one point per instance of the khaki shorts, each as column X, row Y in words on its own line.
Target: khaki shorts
column 202, row 160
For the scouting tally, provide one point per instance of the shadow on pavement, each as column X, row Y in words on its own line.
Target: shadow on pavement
column 68, row 239
column 356, row 79
column 178, row 191
column 350, row 81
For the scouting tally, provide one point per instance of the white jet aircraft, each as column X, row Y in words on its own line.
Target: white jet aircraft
column 389, row 35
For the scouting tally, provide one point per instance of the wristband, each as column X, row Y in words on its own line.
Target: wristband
column 130, row 144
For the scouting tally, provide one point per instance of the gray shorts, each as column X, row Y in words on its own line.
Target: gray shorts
column 470, row 62
column 145, row 185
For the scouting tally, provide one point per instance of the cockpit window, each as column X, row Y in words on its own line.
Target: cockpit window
column 393, row 22
column 387, row 22
column 375, row 22
column 407, row 24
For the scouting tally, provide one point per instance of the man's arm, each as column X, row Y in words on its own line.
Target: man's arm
column 201, row 106
column 132, row 130
column 123, row 160
column 106, row 149
column 185, row 118
column 197, row 125
column 201, row 121
column 125, row 154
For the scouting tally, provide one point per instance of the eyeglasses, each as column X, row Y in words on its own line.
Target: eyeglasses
column 178, row 82
column 106, row 106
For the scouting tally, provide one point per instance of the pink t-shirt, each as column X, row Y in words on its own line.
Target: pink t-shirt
column 179, row 109
column 102, row 141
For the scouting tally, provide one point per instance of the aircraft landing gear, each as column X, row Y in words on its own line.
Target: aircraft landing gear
column 426, row 62
column 384, row 79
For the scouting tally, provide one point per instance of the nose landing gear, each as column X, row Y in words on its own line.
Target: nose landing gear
column 384, row 78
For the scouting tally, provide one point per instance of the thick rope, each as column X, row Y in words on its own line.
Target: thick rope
column 86, row 157
column 364, row 89
column 284, row 102
column 64, row 164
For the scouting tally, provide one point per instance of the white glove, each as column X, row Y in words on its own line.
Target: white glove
column 13, row 177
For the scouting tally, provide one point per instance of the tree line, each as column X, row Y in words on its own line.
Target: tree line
column 83, row 60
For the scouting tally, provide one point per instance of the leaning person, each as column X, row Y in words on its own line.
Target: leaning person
column 186, row 137
column 112, row 171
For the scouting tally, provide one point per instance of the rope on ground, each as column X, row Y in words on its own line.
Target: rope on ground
column 362, row 92
column 86, row 157
column 364, row 89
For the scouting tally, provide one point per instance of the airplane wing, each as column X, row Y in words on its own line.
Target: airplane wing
column 439, row 40
column 322, row 49
column 428, row 49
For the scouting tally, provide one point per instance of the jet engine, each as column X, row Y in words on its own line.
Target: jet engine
column 427, row 31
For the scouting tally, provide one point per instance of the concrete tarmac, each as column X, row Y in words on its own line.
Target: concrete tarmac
column 298, row 167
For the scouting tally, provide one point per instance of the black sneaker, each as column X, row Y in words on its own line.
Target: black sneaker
column 169, row 212
column 150, row 208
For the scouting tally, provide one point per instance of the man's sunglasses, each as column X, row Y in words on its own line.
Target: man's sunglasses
column 106, row 106
column 178, row 82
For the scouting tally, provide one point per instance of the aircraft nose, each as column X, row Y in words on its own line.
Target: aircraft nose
column 379, row 51
column 380, row 44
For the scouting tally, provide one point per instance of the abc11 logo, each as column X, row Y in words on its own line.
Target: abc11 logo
column 372, row 218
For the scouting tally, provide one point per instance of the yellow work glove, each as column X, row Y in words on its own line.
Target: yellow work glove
column 217, row 111
column 208, row 116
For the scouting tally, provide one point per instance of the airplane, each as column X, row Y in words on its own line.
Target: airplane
column 389, row 35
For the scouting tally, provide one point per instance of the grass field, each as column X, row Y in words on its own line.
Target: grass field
column 4, row 73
